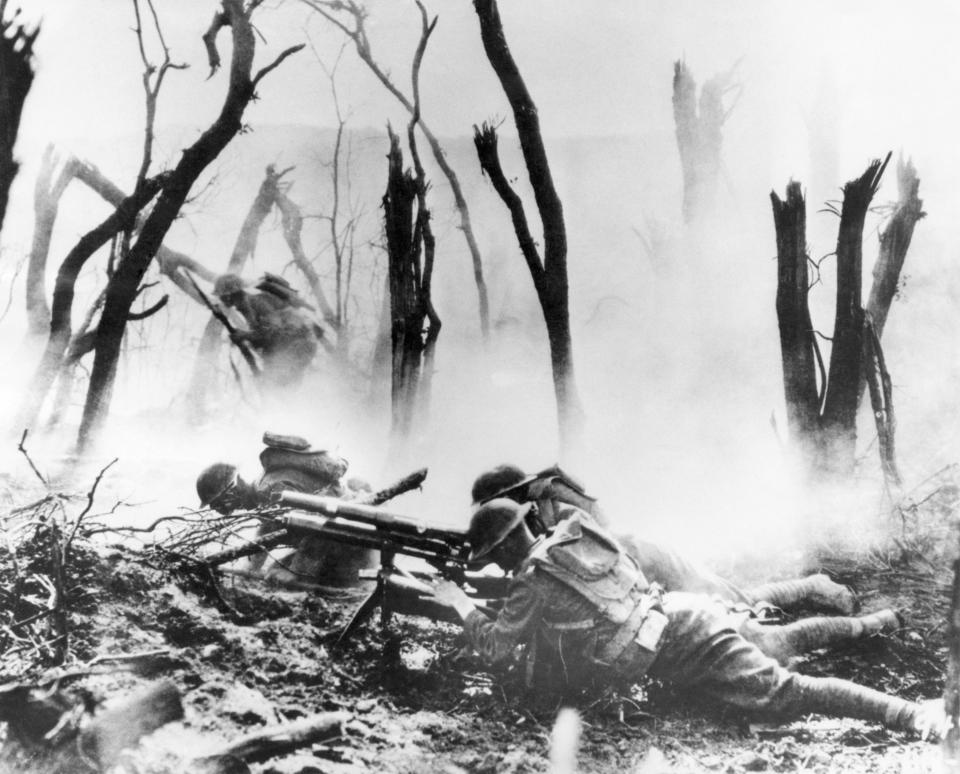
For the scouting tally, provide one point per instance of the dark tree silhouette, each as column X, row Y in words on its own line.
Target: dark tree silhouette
column 823, row 422
column 16, row 78
column 549, row 274
column 124, row 284
column 414, row 325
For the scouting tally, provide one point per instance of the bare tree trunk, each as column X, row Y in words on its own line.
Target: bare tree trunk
column 46, row 202
column 122, row 289
column 894, row 243
column 699, row 130
column 170, row 261
column 292, row 222
column 824, row 424
column 797, row 344
column 406, row 316
column 359, row 36
column 60, row 323
column 550, row 275
column 839, row 418
column 16, row 78
column 881, row 401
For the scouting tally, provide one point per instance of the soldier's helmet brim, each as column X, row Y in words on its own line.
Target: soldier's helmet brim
column 492, row 524
column 216, row 481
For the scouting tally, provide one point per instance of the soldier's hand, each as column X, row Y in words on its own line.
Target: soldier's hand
column 931, row 721
column 448, row 593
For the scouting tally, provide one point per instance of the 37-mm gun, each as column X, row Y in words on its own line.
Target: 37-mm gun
column 397, row 590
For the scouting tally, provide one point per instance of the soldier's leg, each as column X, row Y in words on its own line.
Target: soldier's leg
column 701, row 647
column 816, row 591
column 675, row 572
column 785, row 642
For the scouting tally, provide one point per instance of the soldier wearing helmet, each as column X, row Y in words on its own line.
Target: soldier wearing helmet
column 290, row 462
column 221, row 489
column 277, row 327
column 552, row 490
column 580, row 593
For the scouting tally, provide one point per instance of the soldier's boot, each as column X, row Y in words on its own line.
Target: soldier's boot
column 816, row 591
column 795, row 639
column 840, row 698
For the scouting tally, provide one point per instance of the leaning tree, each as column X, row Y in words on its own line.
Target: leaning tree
column 175, row 186
column 549, row 273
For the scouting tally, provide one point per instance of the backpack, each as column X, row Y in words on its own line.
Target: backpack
column 292, row 452
column 277, row 286
column 590, row 561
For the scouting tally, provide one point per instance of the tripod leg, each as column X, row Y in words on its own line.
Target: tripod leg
column 363, row 612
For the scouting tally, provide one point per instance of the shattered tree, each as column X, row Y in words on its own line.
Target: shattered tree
column 414, row 325
column 549, row 273
column 16, row 78
column 123, row 287
column 699, row 131
column 894, row 242
column 822, row 421
column 66, row 345
column 358, row 35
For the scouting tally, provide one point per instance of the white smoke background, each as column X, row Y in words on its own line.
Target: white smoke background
column 677, row 354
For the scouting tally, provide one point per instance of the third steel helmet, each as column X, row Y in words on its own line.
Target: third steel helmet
column 492, row 523
column 214, row 481
column 491, row 483
column 227, row 285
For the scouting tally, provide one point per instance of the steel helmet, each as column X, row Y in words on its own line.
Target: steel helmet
column 491, row 483
column 492, row 523
column 214, row 481
column 227, row 285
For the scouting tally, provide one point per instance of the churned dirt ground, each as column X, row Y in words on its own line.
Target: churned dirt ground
column 263, row 655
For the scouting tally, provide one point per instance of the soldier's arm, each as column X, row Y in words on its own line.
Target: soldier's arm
column 495, row 641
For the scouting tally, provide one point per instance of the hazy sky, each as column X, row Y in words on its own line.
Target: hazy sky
column 593, row 68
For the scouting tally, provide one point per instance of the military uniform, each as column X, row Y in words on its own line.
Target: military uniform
column 282, row 336
column 290, row 463
column 554, row 492
column 585, row 599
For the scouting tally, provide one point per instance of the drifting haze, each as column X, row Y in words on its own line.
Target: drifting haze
column 679, row 369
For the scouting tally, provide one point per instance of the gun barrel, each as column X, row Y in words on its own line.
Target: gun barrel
column 369, row 536
column 371, row 514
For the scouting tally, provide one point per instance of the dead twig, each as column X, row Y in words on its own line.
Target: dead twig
column 22, row 449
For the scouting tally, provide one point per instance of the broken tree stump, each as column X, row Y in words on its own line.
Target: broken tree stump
column 277, row 740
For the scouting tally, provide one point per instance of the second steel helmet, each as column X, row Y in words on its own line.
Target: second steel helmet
column 227, row 285
column 491, row 483
column 492, row 523
column 214, row 481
